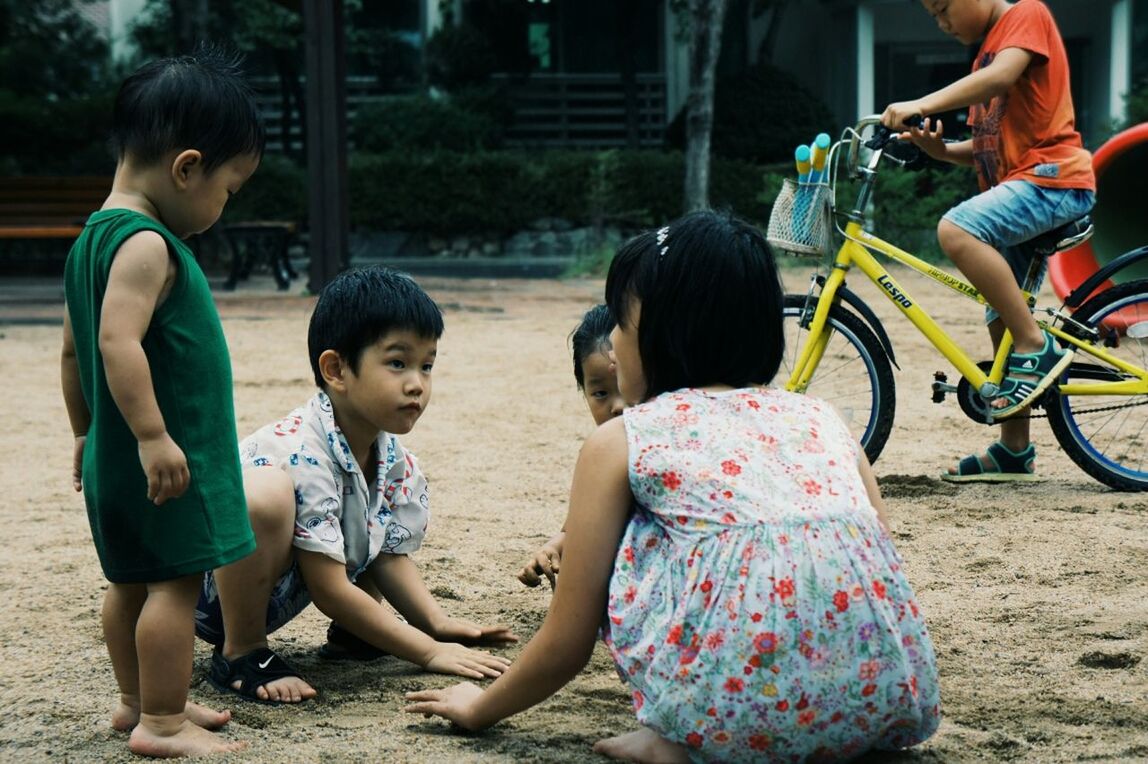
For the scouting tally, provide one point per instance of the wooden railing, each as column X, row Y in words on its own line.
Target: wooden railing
column 585, row 110
column 550, row 110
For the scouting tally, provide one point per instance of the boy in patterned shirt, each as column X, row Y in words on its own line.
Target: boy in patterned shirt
column 337, row 504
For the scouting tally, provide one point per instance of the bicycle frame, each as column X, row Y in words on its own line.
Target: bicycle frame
column 855, row 252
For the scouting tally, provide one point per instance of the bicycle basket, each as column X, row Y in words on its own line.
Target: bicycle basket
column 801, row 221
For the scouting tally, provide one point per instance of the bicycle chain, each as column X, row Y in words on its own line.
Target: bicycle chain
column 1083, row 411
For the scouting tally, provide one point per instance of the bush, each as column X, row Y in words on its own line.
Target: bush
column 459, row 56
column 277, row 191
column 909, row 205
column 1136, row 103
column 421, row 123
column 760, row 116
column 449, row 193
column 66, row 137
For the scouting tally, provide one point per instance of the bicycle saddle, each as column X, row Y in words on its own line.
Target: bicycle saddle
column 1065, row 237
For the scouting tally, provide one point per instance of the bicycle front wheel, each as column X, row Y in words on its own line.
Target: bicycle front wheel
column 1107, row 435
column 854, row 375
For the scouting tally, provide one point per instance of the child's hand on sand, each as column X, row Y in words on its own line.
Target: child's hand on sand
column 453, row 658
column 453, row 703
column 544, row 562
column 470, row 633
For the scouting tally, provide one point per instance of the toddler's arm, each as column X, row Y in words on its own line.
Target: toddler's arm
column 357, row 611
column 544, row 562
column 138, row 280
column 78, row 414
column 400, row 583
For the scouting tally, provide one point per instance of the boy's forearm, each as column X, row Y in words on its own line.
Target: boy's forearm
column 978, row 87
column 357, row 611
column 959, row 153
column 401, row 584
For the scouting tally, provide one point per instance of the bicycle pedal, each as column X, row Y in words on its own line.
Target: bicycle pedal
column 940, row 386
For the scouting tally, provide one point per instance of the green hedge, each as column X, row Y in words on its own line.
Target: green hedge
column 503, row 191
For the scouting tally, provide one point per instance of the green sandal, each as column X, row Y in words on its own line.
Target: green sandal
column 1008, row 466
column 1029, row 375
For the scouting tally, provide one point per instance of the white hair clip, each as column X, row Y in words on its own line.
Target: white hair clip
column 663, row 234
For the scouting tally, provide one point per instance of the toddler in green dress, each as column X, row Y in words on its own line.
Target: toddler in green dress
column 147, row 384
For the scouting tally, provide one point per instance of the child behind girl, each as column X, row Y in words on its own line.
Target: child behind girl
column 752, row 598
column 594, row 375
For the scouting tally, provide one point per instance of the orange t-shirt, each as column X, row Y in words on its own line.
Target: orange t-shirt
column 1029, row 133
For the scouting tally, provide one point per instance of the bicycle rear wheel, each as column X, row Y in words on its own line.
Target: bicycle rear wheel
column 1107, row 435
column 854, row 375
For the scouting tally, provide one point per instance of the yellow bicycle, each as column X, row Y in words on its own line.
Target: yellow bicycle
column 837, row 349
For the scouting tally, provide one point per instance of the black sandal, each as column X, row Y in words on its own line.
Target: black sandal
column 342, row 645
column 252, row 671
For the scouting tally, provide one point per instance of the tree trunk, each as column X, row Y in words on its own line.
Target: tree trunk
column 705, row 19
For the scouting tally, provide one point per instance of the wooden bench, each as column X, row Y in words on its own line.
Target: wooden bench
column 49, row 207
column 254, row 240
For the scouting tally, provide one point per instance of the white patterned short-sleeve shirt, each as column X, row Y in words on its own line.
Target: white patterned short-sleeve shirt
column 336, row 512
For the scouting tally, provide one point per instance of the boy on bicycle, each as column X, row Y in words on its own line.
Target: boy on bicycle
column 1034, row 174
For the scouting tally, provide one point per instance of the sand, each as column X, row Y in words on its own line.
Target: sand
column 1036, row 595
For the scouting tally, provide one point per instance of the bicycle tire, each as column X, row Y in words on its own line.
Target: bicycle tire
column 1107, row 436
column 854, row 375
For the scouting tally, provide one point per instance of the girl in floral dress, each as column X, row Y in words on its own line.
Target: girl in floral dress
column 752, row 599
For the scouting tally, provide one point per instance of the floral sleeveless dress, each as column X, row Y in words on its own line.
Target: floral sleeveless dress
column 757, row 608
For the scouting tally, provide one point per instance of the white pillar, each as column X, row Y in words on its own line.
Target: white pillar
column 865, row 73
column 122, row 14
column 677, row 65
column 1119, row 76
column 432, row 13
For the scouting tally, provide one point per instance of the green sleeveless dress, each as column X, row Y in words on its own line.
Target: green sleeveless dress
column 207, row 527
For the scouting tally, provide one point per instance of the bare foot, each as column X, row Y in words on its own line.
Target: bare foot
column 127, row 715
column 289, row 689
column 170, row 736
column 642, row 745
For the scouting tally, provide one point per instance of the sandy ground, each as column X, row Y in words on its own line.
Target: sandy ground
column 1036, row 596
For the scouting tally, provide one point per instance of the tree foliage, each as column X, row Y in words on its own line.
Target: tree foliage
column 56, row 86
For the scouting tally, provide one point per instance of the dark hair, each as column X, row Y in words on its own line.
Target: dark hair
column 198, row 102
column 711, row 303
column 360, row 306
column 590, row 336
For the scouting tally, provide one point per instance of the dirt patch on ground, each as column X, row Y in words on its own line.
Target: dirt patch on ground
column 1036, row 595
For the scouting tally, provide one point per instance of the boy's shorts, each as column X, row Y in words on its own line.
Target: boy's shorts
column 289, row 597
column 1010, row 214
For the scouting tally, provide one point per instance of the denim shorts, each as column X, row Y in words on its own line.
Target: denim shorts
column 1010, row 214
column 289, row 597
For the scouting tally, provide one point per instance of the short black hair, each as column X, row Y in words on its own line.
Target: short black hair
column 590, row 336
column 711, row 303
column 359, row 306
column 197, row 102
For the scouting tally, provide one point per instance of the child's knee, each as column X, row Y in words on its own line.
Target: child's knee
column 270, row 495
column 950, row 235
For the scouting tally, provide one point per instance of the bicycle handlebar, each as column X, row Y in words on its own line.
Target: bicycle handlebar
column 879, row 140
